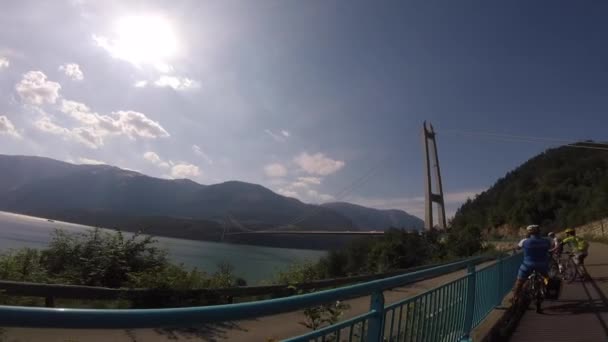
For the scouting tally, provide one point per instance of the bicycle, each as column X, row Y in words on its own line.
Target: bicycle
column 536, row 288
column 571, row 270
column 556, row 267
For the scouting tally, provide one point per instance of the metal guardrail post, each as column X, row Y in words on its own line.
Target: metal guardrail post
column 49, row 302
column 470, row 304
column 501, row 281
column 376, row 325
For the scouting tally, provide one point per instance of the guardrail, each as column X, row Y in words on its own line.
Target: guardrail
column 446, row 313
column 449, row 311
column 208, row 296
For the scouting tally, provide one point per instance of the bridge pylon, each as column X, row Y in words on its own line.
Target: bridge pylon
column 430, row 155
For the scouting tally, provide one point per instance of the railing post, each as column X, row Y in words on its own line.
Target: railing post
column 376, row 325
column 49, row 302
column 500, row 293
column 470, row 304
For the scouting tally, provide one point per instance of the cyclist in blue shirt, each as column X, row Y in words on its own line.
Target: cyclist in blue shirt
column 536, row 257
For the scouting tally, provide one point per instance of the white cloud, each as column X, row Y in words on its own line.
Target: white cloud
column 131, row 123
column 4, row 62
column 34, row 88
column 287, row 193
column 89, row 161
column 84, row 135
column 301, row 189
column 275, row 170
column 308, row 196
column 310, row 180
column 7, row 127
column 281, row 136
column 80, row 112
column 87, row 136
column 318, row 164
column 155, row 159
column 316, row 197
column 152, row 157
column 304, row 182
column 140, row 84
column 72, row 70
column 177, row 83
column 46, row 125
column 135, row 123
column 185, row 170
column 299, row 185
column 199, row 152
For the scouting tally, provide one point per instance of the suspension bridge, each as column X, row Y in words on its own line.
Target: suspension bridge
column 466, row 300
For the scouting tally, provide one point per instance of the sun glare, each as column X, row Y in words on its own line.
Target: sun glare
column 145, row 40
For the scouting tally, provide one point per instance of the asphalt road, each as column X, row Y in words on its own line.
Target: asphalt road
column 581, row 312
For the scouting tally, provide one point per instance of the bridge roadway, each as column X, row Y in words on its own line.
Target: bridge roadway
column 307, row 232
column 581, row 312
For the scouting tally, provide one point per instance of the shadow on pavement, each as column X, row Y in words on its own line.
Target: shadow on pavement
column 601, row 279
column 575, row 308
column 603, row 304
column 206, row 332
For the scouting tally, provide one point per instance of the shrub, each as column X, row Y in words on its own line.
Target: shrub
column 109, row 259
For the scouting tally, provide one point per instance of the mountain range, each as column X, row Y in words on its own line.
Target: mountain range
column 108, row 196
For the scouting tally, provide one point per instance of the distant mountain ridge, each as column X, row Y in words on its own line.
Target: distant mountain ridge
column 375, row 219
column 102, row 193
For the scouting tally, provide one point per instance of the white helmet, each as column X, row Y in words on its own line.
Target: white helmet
column 551, row 234
column 533, row 228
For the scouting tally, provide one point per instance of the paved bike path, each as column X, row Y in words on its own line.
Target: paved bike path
column 581, row 312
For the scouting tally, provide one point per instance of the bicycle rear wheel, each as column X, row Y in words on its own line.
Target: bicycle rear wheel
column 570, row 271
column 539, row 302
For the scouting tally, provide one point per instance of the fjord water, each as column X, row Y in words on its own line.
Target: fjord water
column 253, row 263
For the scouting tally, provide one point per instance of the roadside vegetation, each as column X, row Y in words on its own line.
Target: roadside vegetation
column 560, row 188
column 111, row 259
column 105, row 259
column 396, row 249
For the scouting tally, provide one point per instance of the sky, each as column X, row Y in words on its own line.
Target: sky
column 318, row 100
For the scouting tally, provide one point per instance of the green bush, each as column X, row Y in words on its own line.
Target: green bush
column 109, row 259
column 99, row 258
column 23, row 265
column 396, row 249
column 303, row 272
column 464, row 242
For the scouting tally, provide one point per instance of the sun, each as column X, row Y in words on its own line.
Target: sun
column 145, row 40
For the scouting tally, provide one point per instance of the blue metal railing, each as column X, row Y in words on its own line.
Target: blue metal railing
column 446, row 313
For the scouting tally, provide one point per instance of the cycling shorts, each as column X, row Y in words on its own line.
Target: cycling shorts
column 526, row 269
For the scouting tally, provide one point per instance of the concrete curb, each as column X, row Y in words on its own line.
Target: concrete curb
column 501, row 322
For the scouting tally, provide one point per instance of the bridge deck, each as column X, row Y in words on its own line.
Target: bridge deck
column 581, row 312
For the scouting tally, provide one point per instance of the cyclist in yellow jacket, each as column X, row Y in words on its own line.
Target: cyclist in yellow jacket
column 580, row 247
